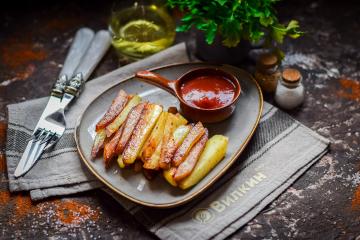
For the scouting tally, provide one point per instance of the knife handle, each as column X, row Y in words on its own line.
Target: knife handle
column 94, row 54
column 59, row 86
column 75, row 85
column 90, row 60
column 78, row 48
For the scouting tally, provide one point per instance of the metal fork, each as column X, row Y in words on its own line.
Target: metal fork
column 52, row 127
column 81, row 43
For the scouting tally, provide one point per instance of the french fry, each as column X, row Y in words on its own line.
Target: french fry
column 175, row 141
column 172, row 122
column 190, row 140
column 129, row 126
column 153, row 162
column 120, row 161
column 186, row 167
column 98, row 143
column 214, row 152
column 116, row 107
column 141, row 132
column 181, row 119
column 120, row 119
column 155, row 138
column 169, row 176
column 110, row 147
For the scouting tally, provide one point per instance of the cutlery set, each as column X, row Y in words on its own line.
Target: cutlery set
column 85, row 53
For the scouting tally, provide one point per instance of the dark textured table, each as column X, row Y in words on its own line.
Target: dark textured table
column 324, row 203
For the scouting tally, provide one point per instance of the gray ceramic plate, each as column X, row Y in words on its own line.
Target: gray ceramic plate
column 158, row 193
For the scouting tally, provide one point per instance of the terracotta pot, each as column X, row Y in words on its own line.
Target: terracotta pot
column 192, row 112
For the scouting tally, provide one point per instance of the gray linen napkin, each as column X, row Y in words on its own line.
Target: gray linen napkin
column 280, row 151
column 60, row 171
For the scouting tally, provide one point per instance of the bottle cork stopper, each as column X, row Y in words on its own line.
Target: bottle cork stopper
column 291, row 75
column 268, row 60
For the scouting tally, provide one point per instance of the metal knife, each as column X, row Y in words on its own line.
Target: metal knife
column 99, row 46
column 78, row 48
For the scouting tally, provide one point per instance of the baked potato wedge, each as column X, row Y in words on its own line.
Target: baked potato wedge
column 169, row 176
column 98, row 142
column 116, row 107
column 120, row 161
column 175, row 141
column 120, row 119
column 187, row 166
column 129, row 126
column 196, row 132
column 155, row 138
column 141, row 132
column 110, row 147
column 214, row 152
column 153, row 162
column 172, row 122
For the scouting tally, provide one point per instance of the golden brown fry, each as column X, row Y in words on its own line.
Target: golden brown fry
column 116, row 107
column 172, row 122
column 110, row 147
column 187, row 166
column 120, row 161
column 155, row 138
column 141, row 132
column 175, row 141
column 169, row 176
column 181, row 119
column 120, row 119
column 191, row 139
column 129, row 126
column 153, row 161
column 98, row 143
column 214, row 152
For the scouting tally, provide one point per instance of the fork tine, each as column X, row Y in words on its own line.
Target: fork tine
column 24, row 159
column 40, row 146
column 35, row 147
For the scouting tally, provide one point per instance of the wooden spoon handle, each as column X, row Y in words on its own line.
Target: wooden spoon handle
column 157, row 80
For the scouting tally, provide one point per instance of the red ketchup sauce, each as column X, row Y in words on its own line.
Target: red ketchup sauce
column 208, row 92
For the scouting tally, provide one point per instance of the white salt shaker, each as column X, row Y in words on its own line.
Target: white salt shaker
column 290, row 91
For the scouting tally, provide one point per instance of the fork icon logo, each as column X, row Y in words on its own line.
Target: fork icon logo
column 202, row 215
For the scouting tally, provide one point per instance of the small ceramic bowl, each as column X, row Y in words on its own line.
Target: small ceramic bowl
column 193, row 112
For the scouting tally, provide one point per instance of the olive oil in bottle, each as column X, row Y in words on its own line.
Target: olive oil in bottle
column 141, row 30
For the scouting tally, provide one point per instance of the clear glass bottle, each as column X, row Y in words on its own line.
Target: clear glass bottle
column 290, row 90
column 267, row 72
column 140, row 28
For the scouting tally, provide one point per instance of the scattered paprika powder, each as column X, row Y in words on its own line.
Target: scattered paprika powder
column 355, row 203
column 350, row 89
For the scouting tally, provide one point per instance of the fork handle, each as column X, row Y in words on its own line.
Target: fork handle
column 81, row 43
column 90, row 60
column 94, row 54
column 78, row 48
column 59, row 86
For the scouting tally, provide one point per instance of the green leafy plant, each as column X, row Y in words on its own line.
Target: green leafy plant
column 235, row 20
